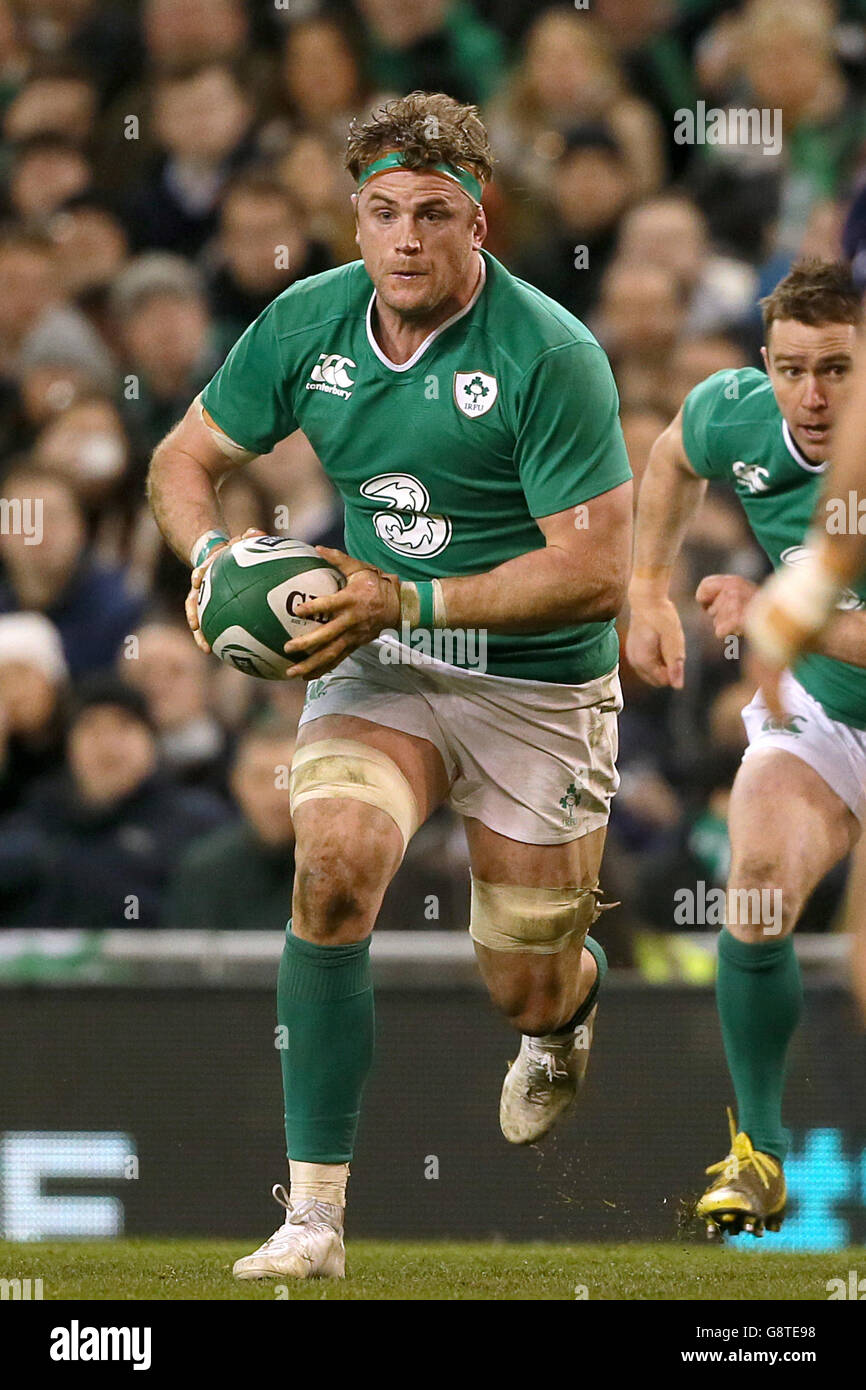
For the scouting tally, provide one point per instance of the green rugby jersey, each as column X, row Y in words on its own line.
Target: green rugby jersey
column 733, row 430
column 507, row 412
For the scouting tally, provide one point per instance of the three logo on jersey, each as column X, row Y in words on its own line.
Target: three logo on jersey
column 405, row 524
column 474, row 392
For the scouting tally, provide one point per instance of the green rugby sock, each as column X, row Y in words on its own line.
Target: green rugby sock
column 325, row 1004
column 759, row 994
column 596, row 950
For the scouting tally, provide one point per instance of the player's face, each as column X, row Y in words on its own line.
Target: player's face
column 418, row 235
column 809, row 369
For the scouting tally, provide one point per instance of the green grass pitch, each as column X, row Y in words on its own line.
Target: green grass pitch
column 201, row 1269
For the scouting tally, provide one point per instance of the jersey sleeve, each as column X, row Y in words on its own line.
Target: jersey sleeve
column 569, row 441
column 248, row 397
column 701, row 409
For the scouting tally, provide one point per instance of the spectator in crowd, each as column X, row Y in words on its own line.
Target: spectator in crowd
column 590, row 188
column 174, row 676
column 854, row 237
column 782, row 60
column 321, row 80
column 33, row 684
column 312, row 170
column 669, row 230
column 91, row 248
column 50, row 379
column 166, row 337
column 58, row 98
column 431, row 45
column 101, row 35
column 46, row 567
column 193, row 31
column 639, row 319
column 175, row 35
column 654, row 42
column 15, row 59
column 203, row 119
column 569, row 76
column 696, row 357
column 88, row 447
column 695, row 850
column 93, row 848
column 36, row 319
column 241, row 875
column 262, row 248
column 45, row 172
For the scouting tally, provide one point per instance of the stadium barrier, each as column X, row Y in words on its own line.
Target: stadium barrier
column 141, row 1096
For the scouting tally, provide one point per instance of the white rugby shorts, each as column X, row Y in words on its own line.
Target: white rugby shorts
column 532, row 760
column 836, row 751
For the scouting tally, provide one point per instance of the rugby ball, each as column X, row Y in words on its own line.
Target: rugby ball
column 248, row 598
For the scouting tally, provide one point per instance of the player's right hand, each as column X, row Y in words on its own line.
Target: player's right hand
column 190, row 606
column 656, row 646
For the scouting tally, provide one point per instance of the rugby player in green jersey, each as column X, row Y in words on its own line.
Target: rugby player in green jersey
column 471, row 427
column 800, row 795
column 793, row 608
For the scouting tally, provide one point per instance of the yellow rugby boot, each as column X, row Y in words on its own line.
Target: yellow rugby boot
column 748, row 1192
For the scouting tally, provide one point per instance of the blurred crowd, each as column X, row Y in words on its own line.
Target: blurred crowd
column 167, row 168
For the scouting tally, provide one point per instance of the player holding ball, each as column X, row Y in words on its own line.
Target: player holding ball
column 470, row 424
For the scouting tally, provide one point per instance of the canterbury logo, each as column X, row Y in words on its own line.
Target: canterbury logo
column 331, row 374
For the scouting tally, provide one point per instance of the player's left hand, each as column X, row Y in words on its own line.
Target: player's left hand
column 350, row 618
column 725, row 597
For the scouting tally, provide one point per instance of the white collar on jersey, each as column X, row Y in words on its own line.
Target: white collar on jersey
column 419, row 352
column 798, row 456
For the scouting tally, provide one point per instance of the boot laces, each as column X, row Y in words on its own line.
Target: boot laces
column 743, row 1154
column 549, row 1063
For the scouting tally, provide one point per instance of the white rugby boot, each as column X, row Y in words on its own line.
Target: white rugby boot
column 308, row 1245
column 543, row 1081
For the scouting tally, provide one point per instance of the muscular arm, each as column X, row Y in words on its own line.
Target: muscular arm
column 580, row 575
column 670, row 494
column 185, row 473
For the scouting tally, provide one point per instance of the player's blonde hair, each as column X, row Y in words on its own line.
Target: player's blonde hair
column 427, row 128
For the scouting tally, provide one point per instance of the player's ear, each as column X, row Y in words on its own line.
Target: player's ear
column 765, row 358
column 479, row 227
column 355, row 210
